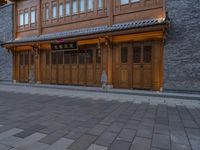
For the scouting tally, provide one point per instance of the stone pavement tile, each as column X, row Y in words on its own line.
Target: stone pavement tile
column 30, row 140
column 132, row 124
column 140, row 143
column 4, row 147
column 90, row 123
column 161, row 120
column 51, row 138
column 11, row 141
column 126, row 135
column 97, row 147
column 120, row 145
column 145, row 131
column 161, row 129
column 106, row 139
column 24, row 133
column 180, row 147
column 61, row 144
column 153, row 148
column 193, row 133
column 83, row 143
column 76, row 133
column 115, row 127
column 97, row 130
column 190, row 124
column 195, row 144
column 148, row 122
column 52, row 128
column 161, row 141
column 123, row 118
column 36, row 146
column 36, row 127
column 179, row 136
column 10, row 133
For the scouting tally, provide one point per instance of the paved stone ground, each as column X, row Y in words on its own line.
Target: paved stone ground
column 49, row 122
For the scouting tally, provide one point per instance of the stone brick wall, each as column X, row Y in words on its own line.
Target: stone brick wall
column 6, row 27
column 182, row 46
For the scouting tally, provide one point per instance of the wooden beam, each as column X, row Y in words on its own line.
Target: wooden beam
column 139, row 36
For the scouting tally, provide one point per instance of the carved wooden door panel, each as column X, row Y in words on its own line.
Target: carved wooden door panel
column 124, row 67
column 137, row 67
column 60, row 67
column 54, row 68
column 142, row 67
column 67, row 67
column 81, row 67
column 26, row 66
column 21, row 67
column 74, row 67
column 90, row 67
column 98, row 67
column 48, row 67
column 147, row 67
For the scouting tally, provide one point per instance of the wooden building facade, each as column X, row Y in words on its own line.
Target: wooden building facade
column 72, row 41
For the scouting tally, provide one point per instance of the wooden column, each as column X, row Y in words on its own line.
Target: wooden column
column 156, row 74
column 110, row 62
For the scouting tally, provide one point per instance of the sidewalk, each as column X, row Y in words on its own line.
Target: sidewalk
column 122, row 95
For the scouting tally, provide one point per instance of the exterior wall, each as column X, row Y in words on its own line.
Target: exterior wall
column 111, row 13
column 182, row 47
column 6, row 26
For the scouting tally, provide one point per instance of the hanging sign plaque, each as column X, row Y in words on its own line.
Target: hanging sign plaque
column 64, row 46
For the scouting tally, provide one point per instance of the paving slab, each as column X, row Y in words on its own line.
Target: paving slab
column 83, row 143
column 161, row 141
column 120, row 145
column 140, row 143
column 97, row 147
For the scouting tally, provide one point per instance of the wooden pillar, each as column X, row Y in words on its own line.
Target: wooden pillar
column 156, row 74
column 110, row 62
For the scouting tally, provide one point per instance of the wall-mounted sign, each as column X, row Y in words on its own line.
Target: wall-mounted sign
column 64, row 46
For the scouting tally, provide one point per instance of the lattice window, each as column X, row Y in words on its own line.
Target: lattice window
column 124, row 54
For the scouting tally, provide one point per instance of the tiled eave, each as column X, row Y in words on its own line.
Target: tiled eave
column 89, row 31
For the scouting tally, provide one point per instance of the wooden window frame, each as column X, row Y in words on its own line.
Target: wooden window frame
column 61, row 16
column 54, row 4
column 47, row 7
column 26, row 11
column 72, row 8
column 65, row 8
column 33, row 9
column 20, row 12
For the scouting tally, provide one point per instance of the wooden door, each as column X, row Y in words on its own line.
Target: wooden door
column 21, row 67
column 67, row 67
column 60, row 67
column 46, row 67
column 26, row 67
column 147, row 67
column 90, row 67
column 142, row 67
column 74, row 67
column 54, row 68
column 81, row 67
column 98, row 67
column 124, row 66
column 31, row 72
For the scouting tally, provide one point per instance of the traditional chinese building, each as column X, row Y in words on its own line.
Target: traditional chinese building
column 73, row 41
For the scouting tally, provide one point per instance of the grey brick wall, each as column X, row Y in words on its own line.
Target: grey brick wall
column 6, row 27
column 182, row 46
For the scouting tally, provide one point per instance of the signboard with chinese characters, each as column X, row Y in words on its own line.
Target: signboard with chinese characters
column 64, row 46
